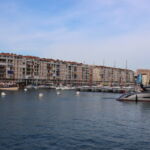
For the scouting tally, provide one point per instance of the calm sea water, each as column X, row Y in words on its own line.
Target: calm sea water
column 90, row 121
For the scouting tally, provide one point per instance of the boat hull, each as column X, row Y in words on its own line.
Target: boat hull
column 10, row 89
column 129, row 100
column 135, row 97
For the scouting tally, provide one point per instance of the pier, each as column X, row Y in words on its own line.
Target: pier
column 106, row 89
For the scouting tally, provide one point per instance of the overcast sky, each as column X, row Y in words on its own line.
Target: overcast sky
column 89, row 31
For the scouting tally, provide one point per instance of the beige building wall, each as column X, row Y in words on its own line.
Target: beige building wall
column 20, row 68
column 96, row 74
column 42, row 71
column 79, row 73
column 145, row 79
column 86, row 73
column 63, row 71
column 110, row 75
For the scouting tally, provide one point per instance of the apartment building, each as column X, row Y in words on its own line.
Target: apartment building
column 112, row 76
column 34, row 69
column 145, row 76
column 9, row 66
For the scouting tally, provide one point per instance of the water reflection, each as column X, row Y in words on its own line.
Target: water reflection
column 67, row 121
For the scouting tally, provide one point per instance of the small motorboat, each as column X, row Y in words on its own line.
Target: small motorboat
column 142, row 96
column 135, row 97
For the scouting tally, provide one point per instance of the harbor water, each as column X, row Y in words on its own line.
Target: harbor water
column 70, row 121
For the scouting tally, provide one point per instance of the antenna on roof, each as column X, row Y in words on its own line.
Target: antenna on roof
column 126, row 71
column 126, row 64
column 93, row 63
column 103, row 62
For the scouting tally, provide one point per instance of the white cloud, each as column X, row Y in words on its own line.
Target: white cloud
column 107, row 31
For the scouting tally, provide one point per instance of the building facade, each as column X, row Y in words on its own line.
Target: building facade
column 112, row 76
column 145, row 76
column 34, row 69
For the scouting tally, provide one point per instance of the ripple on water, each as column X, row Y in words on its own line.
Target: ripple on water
column 90, row 121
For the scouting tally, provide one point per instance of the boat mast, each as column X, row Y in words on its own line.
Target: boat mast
column 126, row 72
column 103, row 72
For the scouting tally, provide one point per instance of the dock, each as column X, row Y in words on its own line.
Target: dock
column 106, row 89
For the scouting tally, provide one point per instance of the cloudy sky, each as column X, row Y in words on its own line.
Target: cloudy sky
column 89, row 31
